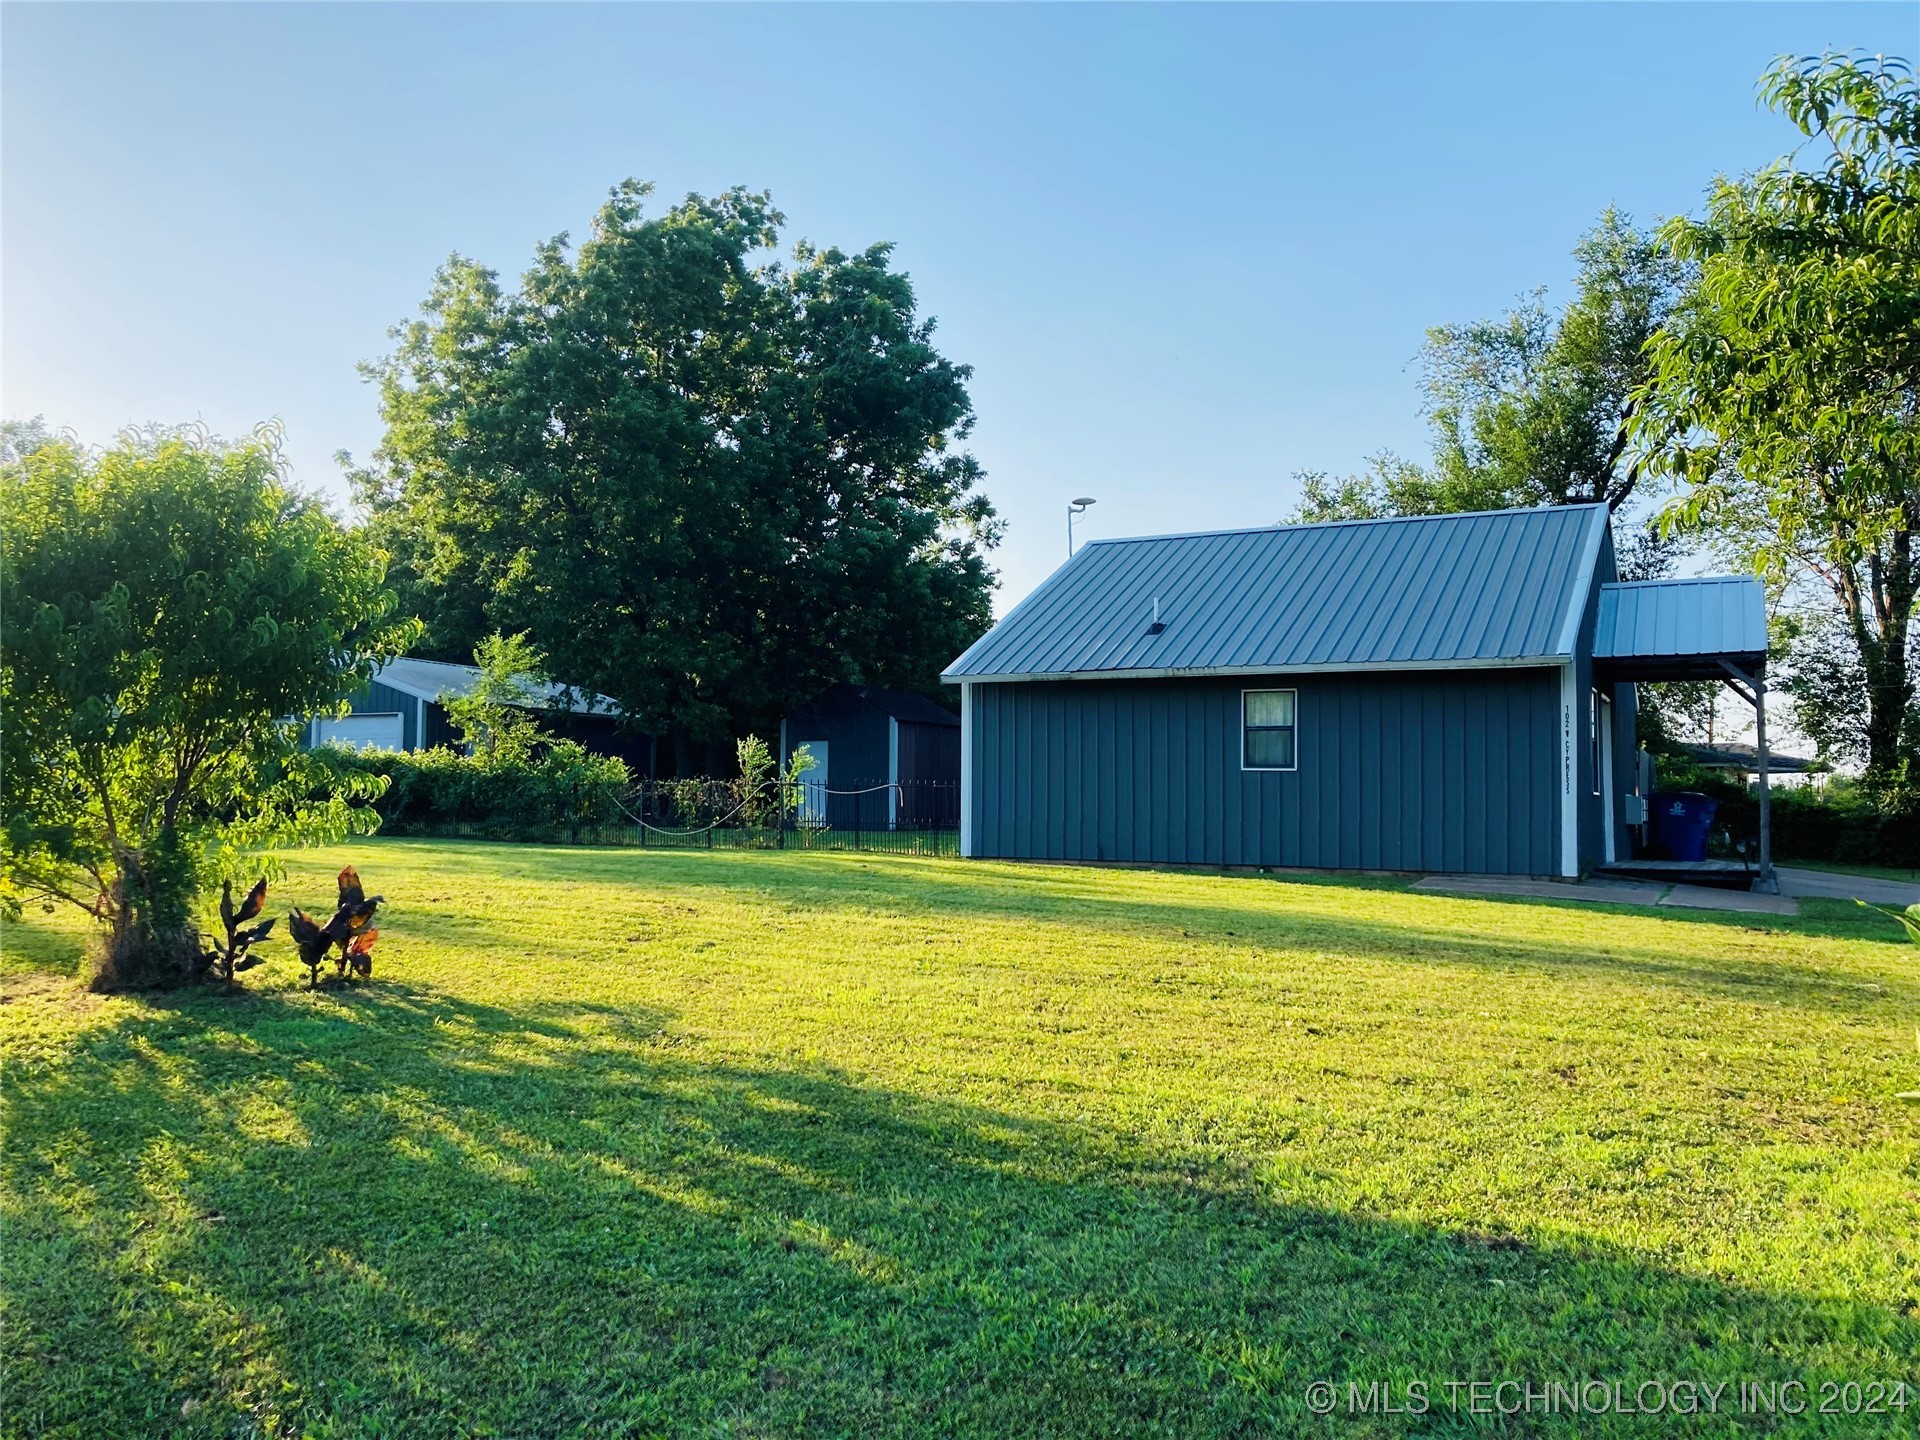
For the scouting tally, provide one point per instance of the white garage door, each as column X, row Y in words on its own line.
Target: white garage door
column 373, row 731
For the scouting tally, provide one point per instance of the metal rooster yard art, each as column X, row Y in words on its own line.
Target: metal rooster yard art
column 350, row 931
column 226, row 957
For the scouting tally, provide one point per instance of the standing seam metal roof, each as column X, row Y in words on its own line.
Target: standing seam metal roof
column 1488, row 587
column 430, row 679
column 1706, row 615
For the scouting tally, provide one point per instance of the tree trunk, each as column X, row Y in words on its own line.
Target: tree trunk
column 676, row 766
column 1889, row 696
column 1880, row 617
column 150, row 942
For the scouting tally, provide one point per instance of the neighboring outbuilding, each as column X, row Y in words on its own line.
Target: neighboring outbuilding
column 881, row 759
column 1743, row 761
column 1436, row 693
column 401, row 710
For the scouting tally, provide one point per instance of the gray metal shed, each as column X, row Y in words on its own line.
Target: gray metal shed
column 1414, row 693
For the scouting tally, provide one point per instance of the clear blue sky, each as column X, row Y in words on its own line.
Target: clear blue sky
column 1188, row 250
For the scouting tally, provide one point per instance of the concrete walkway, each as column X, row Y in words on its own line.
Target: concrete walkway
column 1620, row 892
column 1795, row 884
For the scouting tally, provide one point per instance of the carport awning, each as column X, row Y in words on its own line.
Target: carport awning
column 1681, row 629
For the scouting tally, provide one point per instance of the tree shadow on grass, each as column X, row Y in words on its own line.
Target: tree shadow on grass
column 407, row 1214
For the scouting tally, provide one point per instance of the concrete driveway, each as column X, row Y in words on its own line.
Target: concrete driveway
column 1830, row 886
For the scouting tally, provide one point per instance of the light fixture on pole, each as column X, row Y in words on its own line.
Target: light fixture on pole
column 1075, row 507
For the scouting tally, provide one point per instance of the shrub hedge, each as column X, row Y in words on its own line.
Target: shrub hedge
column 557, row 785
column 1845, row 825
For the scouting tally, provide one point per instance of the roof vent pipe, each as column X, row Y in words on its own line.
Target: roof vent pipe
column 1156, row 627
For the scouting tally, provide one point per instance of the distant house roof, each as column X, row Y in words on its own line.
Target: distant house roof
column 430, row 679
column 1747, row 757
column 1680, row 629
column 1487, row 588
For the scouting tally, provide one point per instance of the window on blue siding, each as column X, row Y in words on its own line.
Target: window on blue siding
column 1268, row 734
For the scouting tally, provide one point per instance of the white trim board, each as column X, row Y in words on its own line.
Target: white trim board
column 1608, row 787
column 1569, row 774
column 966, row 768
column 1583, row 581
column 893, row 771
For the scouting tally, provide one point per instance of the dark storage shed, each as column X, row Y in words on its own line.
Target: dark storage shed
column 1439, row 693
column 882, row 759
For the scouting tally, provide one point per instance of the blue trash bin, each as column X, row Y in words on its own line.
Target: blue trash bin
column 1681, row 820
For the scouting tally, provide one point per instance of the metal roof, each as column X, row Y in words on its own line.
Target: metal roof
column 1747, row 757
column 1486, row 588
column 903, row 705
column 1661, row 628
column 430, row 679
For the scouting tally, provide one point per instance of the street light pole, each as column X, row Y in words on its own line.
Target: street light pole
column 1075, row 507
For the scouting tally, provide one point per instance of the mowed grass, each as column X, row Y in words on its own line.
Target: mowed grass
column 631, row 1143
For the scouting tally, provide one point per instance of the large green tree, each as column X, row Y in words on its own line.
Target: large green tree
column 1784, row 398
column 702, row 481
column 1531, row 407
column 165, row 606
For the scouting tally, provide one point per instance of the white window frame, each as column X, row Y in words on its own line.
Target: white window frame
column 1270, row 690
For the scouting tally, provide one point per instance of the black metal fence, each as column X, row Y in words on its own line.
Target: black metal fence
column 905, row 818
column 911, row 818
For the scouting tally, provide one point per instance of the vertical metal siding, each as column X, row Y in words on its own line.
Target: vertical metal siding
column 855, row 733
column 1409, row 771
column 929, row 753
column 440, row 729
column 379, row 699
column 1626, row 714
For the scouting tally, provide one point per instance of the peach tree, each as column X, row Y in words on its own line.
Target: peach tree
column 166, row 605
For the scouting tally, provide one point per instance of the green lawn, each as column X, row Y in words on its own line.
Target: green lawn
column 762, row 1144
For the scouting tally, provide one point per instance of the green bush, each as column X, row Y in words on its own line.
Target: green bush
column 1846, row 824
column 556, row 784
column 1850, row 826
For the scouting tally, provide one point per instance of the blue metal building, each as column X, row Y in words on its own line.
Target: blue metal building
column 400, row 710
column 882, row 759
column 1437, row 693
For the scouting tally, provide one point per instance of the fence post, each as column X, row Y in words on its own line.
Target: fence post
column 857, row 798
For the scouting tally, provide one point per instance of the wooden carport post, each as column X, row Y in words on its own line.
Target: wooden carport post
column 1753, row 689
